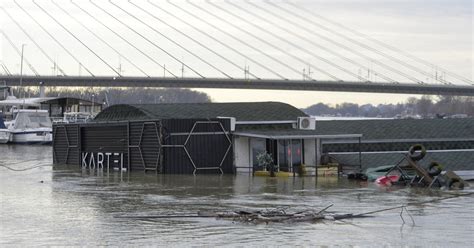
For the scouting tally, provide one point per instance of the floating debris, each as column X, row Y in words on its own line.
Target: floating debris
column 413, row 174
column 280, row 215
column 259, row 216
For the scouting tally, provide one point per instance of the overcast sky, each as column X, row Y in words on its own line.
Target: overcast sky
column 273, row 41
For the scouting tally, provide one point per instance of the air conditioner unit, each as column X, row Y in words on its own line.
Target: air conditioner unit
column 232, row 121
column 306, row 123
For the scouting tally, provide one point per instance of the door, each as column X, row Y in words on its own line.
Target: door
column 289, row 154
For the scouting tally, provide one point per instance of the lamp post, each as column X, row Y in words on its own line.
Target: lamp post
column 21, row 66
column 93, row 105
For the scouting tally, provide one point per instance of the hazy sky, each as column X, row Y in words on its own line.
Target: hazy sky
column 438, row 31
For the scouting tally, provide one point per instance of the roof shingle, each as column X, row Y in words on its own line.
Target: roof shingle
column 372, row 130
column 402, row 128
column 251, row 111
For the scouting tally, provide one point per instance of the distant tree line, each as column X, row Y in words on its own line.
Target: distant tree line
column 426, row 107
column 119, row 95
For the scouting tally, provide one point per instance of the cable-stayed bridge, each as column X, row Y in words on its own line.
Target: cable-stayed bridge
column 247, row 44
column 219, row 83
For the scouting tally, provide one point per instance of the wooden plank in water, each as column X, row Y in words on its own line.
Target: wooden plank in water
column 420, row 171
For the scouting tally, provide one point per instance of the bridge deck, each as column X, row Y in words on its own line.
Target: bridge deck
column 269, row 84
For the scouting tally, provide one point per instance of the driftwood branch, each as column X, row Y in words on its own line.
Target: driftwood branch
column 268, row 216
column 281, row 215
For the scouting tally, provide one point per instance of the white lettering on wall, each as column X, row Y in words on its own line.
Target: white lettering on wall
column 100, row 161
column 108, row 158
column 91, row 160
column 84, row 158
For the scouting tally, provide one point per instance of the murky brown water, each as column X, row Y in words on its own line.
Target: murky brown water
column 61, row 206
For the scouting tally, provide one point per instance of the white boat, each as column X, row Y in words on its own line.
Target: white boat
column 30, row 126
column 5, row 133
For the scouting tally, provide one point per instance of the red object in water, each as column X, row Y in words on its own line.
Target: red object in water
column 387, row 180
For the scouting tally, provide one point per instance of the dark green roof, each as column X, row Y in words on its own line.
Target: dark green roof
column 402, row 129
column 252, row 111
column 285, row 133
column 378, row 129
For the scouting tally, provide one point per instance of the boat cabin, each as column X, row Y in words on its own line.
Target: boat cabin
column 59, row 108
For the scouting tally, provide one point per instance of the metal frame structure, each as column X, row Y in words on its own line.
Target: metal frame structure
column 191, row 133
column 139, row 146
column 144, row 137
column 69, row 146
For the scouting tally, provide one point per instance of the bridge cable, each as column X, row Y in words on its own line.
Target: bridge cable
column 145, row 38
column 34, row 42
column 191, row 38
column 385, row 45
column 307, row 40
column 19, row 52
column 278, row 48
column 77, row 38
column 423, row 72
column 169, row 39
column 244, row 42
column 234, row 37
column 122, row 38
column 209, row 36
column 286, row 40
column 338, row 34
column 5, row 69
column 265, row 42
column 99, row 38
column 336, row 43
column 184, row 34
column 52, row 37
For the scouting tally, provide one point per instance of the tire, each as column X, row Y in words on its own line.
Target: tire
column 417, row 156
column 434, row 169
column 452, row 181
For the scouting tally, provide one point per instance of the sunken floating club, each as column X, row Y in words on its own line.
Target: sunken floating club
column 227, row 138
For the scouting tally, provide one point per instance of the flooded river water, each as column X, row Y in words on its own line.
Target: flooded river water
column 58, row 206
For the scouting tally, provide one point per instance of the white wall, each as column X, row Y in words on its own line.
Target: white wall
column 242, row 155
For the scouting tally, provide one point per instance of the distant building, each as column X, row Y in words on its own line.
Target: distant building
column 56, row 106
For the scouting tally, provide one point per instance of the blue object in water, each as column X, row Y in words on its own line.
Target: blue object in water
column 2, row 123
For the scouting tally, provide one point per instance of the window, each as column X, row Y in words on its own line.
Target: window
column 283, row 155
column 290, row 154
column 296, row 152
column 258, row 146
column 32, row 120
